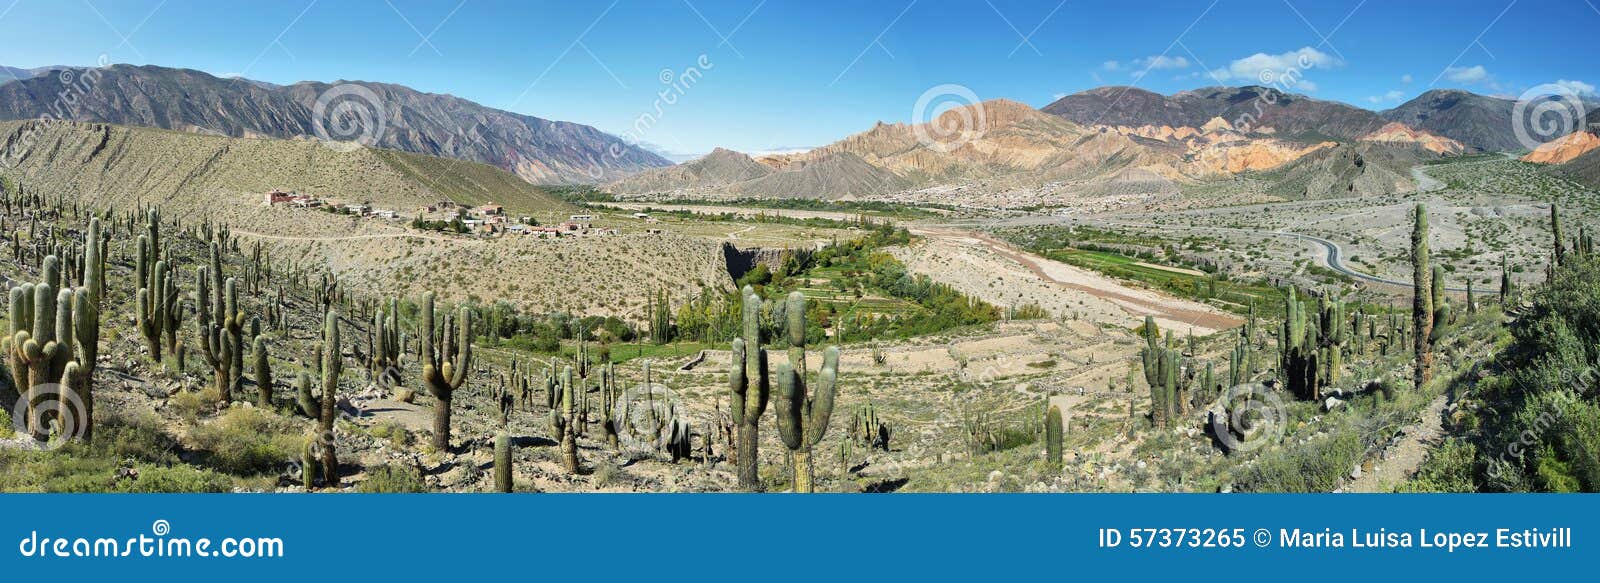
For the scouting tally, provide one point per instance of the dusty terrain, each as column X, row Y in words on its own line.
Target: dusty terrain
column 979, row 265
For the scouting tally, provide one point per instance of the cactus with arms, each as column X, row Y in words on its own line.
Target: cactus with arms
column 803, row 417
column 749, row 390
column 444, row 367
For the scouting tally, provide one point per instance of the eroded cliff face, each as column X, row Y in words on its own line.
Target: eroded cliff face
column 1564, row 149
column 1398, row 133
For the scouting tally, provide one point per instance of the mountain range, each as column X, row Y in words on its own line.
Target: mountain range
column 538, row 150
column 1477, row 121
column 1145, row 145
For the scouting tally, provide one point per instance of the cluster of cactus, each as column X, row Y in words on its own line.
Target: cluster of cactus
column 383, row 343
column 59, row 350
column 1167, row 372
column 1422, row 298
column 1311, row 344
column 158, row 312
column 444, row 363
column 867, row 430
column 1242, row 363
column 980, row 433
column 749, row 389
column 219, row 324
column 802, row 414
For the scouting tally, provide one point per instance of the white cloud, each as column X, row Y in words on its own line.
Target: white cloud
column 1265, row 68
column 1111, row 65
column 1162, row 62
column 1393, row 96
column 1577, row 87
column 1406, row 79
column 1306, row 85
column 1473, row 74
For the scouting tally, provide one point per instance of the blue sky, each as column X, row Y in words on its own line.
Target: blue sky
column 792, row 74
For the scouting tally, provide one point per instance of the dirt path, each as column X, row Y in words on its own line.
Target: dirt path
column 1405, row 457
column 1132, row 302
column 355, row 237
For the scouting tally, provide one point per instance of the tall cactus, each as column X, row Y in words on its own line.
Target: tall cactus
column 502, row 438
column 332, row 365
column 1052, row 436
column 802, row 417
column 444, row 367
column 1555, row 233
column 749, row 389
column 385, row 344
column 1422, row 298
column 564, row 422
column 263, row 372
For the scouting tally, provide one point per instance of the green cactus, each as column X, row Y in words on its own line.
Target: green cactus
column 307, row 400
column 802, row 417
column 1302, row 347
column 749, row 390
column 1164, row 371
column 1052, row 436
column 502, row 461
column 60, row 351
column 384, row 344
column 504, row 403
column 263, row 372
column 332, row 364
column 1555, row 235
column 444, row 368
column 564, row 422
column 219, row 325
column 1422, row 296
column 1442, row 314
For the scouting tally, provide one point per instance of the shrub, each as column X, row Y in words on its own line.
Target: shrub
column 391, row 478
column 247, row 441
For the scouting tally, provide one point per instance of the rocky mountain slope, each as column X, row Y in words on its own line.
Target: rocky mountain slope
column 1584, row 169
column 1259, row 109
column 538, row 150
column 1481, row 122
column 199, row 175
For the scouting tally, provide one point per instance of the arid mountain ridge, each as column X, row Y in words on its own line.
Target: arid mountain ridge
column 538, row 150
column 1009, row 145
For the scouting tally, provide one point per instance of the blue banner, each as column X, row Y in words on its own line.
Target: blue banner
column 248, row 537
